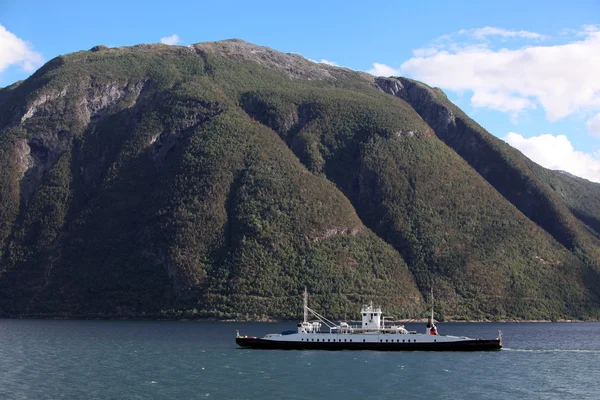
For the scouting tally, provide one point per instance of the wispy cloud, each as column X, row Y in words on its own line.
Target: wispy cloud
column 482, row 33
column 563, row 79
column 324, row 61
column 425, row 51
column 556, row 152
column 593, row 125
column 170, row 40
column 15, row 51
column 383, row 70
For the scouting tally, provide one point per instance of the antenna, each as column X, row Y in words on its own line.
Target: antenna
column 432, row 305
column 305, row 305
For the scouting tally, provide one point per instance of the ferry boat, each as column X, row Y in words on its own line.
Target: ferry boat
column 371, row 334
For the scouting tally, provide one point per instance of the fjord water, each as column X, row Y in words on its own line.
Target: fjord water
column 43, row 359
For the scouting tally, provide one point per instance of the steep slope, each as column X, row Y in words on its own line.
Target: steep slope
column 219, row 179
column 581, row 196
column 522, row 182
column 139, row 187
column 484, row 257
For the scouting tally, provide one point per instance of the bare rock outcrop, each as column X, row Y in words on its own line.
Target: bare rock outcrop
column 100, row 97
column 42, row 101
column 294, row 65
column 422, row 98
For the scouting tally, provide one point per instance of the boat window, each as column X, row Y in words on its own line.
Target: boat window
column 363, row 340
column 328, row 340
column 344, row 340
column 381, row 340
column 350, row 339
column 364, row 314
column 402, row 340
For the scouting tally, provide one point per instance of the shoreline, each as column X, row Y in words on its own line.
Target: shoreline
column 272, row 320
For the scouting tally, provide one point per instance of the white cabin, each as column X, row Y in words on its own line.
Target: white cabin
column 309, row 327
column 371, row 317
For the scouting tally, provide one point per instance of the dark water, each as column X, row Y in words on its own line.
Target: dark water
column 197, row 360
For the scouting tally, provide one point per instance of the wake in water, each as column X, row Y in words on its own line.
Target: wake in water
column 553, row 350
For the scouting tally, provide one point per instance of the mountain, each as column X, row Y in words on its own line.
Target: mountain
column 219, row 179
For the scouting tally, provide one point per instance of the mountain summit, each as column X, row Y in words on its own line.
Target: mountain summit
column 218, row 179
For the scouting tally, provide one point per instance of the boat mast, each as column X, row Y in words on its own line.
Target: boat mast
column 305, row 305
column 432, row 305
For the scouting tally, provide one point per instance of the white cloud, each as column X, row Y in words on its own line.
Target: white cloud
column 425, row 51
column 589, row 29
column 563, row 79
column 556, row 152
column 170, row 40
column 482, row 33
column 501, row 100
column 383, row 70
column 593, row 125
column 324, row 61
column 16, row 51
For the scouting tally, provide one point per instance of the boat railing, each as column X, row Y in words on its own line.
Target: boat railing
column 346, row 331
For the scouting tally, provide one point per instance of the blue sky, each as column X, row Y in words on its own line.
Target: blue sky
column 525, row 70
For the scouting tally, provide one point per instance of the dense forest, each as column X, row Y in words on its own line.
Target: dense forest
column 218, row 180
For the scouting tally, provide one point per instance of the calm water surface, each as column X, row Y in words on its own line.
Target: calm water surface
column 196, row 360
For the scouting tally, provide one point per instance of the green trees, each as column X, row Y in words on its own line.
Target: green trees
column 200, row 182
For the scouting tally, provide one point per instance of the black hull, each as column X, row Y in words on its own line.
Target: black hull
column 463, row 345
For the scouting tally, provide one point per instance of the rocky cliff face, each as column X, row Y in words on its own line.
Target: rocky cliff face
column 217, row 180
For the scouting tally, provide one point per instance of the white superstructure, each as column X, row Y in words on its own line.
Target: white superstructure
column 372, row 329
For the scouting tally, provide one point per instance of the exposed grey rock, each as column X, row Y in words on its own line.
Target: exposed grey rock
column 294, row 65
column 99, row 48
column 23, row 159
column 100, row 97
column 422, row 98
column 34, row 158
column 405, row 134
column 38, row 103
column 338, row 231
column 390, row 86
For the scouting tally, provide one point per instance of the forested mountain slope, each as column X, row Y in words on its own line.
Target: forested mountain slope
column 217, row 180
